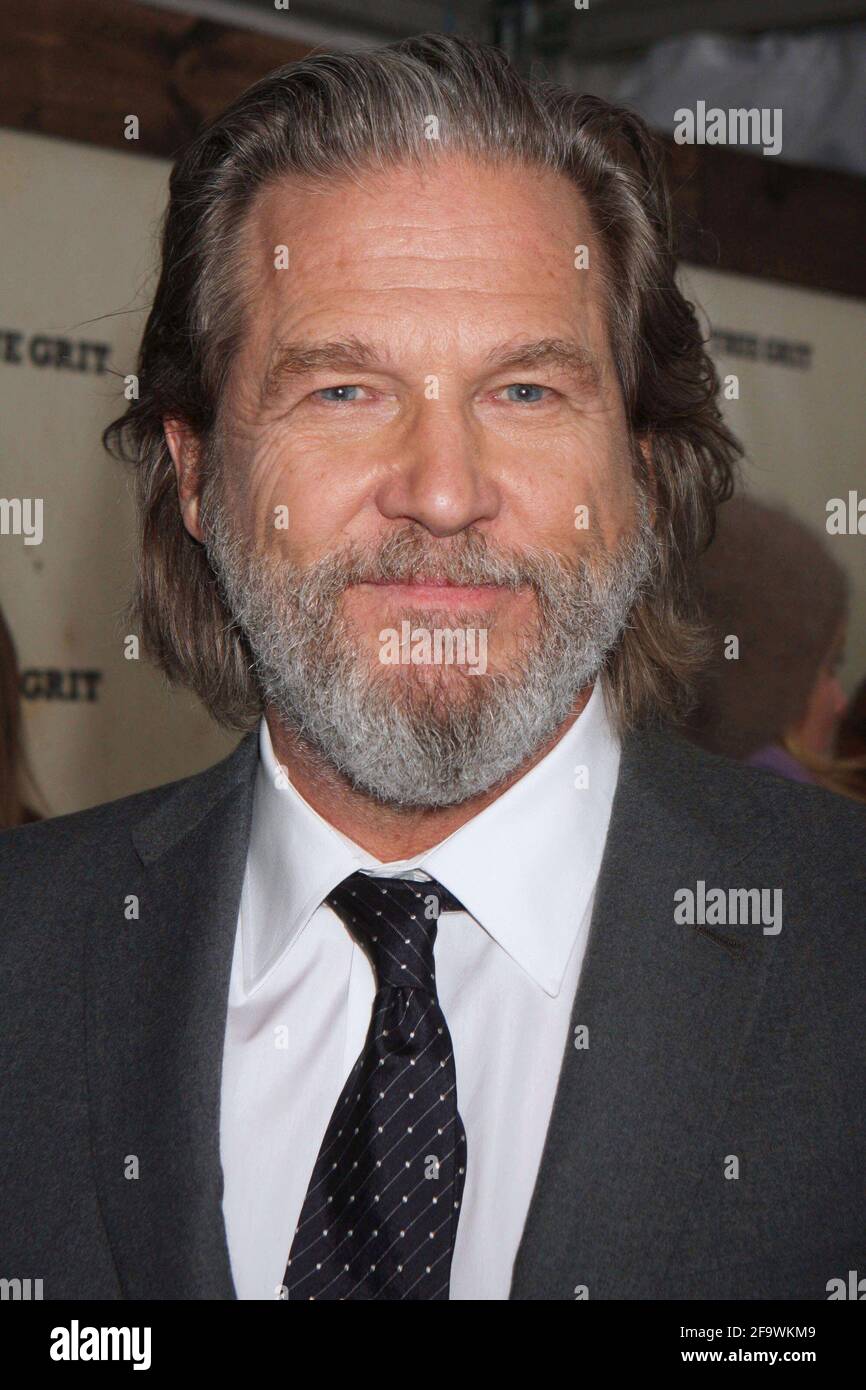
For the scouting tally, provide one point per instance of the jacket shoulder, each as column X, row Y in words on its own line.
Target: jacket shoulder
column 814, row 830
column 57, row 841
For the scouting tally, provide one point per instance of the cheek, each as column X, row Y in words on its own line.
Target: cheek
column 824, row 708
column 602, row 509
column 290, row 504
column 574, row 497
column 833, row 702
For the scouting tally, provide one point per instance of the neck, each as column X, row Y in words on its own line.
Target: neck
column 388, row 832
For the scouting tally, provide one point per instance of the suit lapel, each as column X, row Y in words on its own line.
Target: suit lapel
column 668, row 1008
column 156, row 1001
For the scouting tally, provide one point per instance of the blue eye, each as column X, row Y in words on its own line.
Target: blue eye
column 337, row 399
column 525, row 388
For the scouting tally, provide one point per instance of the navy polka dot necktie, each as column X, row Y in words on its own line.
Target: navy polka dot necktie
column 380, row 1215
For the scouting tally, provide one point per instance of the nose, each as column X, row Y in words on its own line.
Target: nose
column 438, row 478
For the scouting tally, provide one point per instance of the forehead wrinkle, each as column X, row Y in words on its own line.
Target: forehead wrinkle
column 268, row 215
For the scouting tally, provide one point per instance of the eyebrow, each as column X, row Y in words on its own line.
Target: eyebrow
column 294, row 359
column 300, row 359
column 549, row 352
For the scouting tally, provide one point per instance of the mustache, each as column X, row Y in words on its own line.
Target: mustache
column 559, row 584
column 467, row 559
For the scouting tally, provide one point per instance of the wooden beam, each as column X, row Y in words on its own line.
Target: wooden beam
column 749, row 214
column 78, row 68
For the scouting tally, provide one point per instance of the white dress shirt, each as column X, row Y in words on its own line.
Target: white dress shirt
column 507, row 968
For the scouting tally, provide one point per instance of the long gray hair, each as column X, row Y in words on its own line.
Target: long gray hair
column 329, row 116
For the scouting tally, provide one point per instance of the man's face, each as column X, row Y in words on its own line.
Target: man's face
column 426, row 393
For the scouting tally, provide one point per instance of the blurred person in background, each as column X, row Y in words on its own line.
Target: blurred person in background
column 851, row 740
column 775, row 701
column 17, row 787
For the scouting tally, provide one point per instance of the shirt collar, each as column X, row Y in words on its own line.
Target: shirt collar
column 525, row 867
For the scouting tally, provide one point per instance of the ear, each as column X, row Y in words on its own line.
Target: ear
column 645, row 446
column 185, row 451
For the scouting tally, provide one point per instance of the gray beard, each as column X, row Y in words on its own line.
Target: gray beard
column 441, row 738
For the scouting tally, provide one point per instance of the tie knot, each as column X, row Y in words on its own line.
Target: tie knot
column 396, row 920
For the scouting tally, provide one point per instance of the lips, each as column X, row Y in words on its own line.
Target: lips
column 425, row 583
column 421, row 589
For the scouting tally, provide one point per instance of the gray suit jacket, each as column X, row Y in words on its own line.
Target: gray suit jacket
column 707, row 1143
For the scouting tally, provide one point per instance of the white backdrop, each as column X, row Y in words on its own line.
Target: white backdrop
column 78, row 228
column 78, row 231
column 800, row 411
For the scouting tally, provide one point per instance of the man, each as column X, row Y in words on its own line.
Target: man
column 460, row 978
